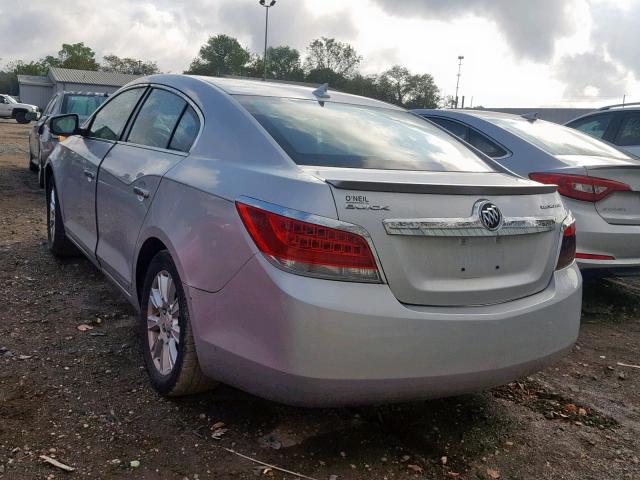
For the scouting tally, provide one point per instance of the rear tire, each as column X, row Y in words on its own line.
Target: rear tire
column 57, row 239
column 165, row 332
column 21, row 117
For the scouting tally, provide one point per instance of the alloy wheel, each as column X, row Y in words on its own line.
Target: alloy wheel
column 163, row 328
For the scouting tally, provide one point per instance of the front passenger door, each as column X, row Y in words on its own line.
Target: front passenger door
column 76, row 168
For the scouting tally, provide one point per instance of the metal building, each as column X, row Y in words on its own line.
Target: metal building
column 37, row 90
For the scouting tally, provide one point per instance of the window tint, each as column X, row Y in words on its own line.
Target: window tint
column 354, row 136
column 556, row 139
column 81, row 105
column 595, row 126
column 456, row 128
column 157, row 118
column 110, row 121
column 486, row 146
column 629, row 133
column 186, row 131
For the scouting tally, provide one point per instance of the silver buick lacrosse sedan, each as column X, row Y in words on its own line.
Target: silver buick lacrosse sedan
column 310, row 246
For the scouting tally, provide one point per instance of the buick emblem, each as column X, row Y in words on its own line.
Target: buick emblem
column 490, row 216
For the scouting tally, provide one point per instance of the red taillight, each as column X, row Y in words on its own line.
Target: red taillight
column 593, row 256
column 568, row 247
column 308, row 248
column 581, row 187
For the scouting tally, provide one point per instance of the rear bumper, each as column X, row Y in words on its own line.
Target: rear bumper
column 316, row 342
column 595, row 236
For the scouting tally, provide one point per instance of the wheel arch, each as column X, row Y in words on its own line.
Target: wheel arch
column 15, row 111
column 149, row 244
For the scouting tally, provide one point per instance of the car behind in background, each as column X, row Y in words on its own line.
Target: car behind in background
column 599, row 183
column 41, row 141
column 11, row 108
column 616, row 124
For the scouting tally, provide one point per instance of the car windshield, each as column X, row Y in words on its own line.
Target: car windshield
column 81, row 105
column 353, row 136
column 556, row 139
column 10, row 99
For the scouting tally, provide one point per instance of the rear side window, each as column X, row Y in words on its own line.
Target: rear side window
column 486, row 146
column 556, row 139
column 353, row 136
column 157, row 119
column 110, row 121
column 596, row 126
column 82, row 105
column 186, row 131
column 456, row 128
column 629, row 133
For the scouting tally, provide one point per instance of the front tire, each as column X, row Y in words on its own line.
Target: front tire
column 40, row 169
column 33, row 167
column 57, row 239
column 21, row 117
column 165, row 332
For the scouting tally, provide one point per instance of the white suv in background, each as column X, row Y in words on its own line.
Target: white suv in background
column 616, row 124
column 11, row 108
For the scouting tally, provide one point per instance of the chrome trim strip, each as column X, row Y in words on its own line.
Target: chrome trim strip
column 318, row 220
column 467, row 227
column 441, row 189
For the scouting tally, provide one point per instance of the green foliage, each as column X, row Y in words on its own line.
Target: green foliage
column 131, row 66
column 283, row 63
column 74, row 55
column 328, row 54
column 221, row 55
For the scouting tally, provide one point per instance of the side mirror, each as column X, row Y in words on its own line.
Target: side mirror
column 31, row 116
column 64, row 124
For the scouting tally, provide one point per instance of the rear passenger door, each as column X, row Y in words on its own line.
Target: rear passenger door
column 161, row 135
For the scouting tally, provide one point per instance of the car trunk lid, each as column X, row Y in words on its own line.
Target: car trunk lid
column 433, row 248
column 620, row 208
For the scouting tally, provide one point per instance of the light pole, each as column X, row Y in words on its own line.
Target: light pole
column 267, row 5
column 460, row 58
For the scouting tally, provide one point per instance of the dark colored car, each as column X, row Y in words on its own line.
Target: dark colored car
column 41, row 141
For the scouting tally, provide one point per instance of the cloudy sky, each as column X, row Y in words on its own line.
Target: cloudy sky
column 517, row 52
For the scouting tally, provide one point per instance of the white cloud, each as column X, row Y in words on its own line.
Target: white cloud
column 517, row 52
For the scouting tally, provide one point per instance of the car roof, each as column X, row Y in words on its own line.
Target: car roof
column 248, row 86
column 454, row 112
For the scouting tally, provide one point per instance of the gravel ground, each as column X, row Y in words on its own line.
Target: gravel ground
column 81, row 397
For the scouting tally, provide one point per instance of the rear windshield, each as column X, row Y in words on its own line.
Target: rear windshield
column 81, row 105
column 352, row 136
column 556, row 139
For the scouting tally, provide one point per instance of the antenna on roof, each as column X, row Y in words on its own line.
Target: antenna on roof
column 321, row 91
column 532, row 117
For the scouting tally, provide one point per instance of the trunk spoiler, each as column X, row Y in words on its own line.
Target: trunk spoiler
column 442, row 189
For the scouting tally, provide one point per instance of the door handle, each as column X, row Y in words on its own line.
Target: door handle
column 141, row 192
column 89, row 174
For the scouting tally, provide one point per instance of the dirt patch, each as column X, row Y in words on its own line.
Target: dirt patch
column 82, row 397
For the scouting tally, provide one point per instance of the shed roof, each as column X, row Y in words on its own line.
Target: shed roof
column 34, row 80
column 68, row 75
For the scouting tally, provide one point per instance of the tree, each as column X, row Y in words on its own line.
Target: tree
column 283, row 64
column 75, row 55
column 221, row 55
column 424, row 92
column 131, row 66
column 395, row 84
column 398, row 85
column 328, row 54
column 19, row 67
